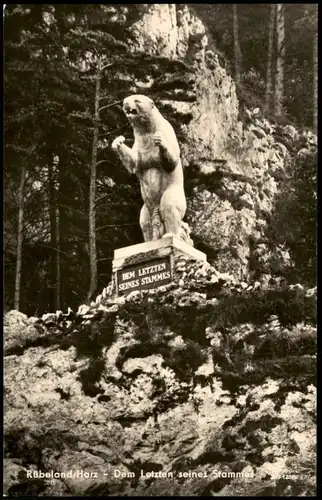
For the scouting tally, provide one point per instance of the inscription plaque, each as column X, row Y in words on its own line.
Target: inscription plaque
column 144, row 276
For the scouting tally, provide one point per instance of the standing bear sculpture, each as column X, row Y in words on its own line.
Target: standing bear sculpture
column 155, row 159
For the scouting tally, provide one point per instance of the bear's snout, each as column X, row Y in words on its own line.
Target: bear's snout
column 129, row 110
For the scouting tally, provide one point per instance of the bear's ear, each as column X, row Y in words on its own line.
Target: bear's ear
column 151, row 102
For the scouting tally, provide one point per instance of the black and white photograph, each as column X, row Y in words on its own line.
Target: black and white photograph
column 159, row 250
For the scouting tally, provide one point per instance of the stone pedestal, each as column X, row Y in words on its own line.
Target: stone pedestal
column 149, row 265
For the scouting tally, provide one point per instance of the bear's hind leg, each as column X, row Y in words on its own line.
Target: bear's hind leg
column 157, row 224
column 146, row 224
column 172, row 210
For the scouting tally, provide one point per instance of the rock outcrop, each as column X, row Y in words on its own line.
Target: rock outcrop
column 203, row 386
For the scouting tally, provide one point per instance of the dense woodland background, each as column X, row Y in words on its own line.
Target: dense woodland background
column 68, row 202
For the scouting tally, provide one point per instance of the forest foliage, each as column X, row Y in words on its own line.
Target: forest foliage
column 50, row 75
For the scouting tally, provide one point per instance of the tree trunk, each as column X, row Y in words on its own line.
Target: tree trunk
column 237, row 51
column 58, row 283
column 280, row 59
column 20, row 236
column 269, row 81
column 315, row 82
column 54, row 234
column 92, row 190
column 62, row 221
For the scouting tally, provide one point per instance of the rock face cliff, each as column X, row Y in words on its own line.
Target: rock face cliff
column 205, row 386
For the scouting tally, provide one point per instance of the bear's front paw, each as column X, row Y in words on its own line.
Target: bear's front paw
column 117, row 143
column 159, row 139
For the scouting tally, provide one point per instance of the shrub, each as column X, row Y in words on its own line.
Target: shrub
column 294, row 218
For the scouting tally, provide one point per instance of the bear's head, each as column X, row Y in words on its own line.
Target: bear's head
column 139, row 109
